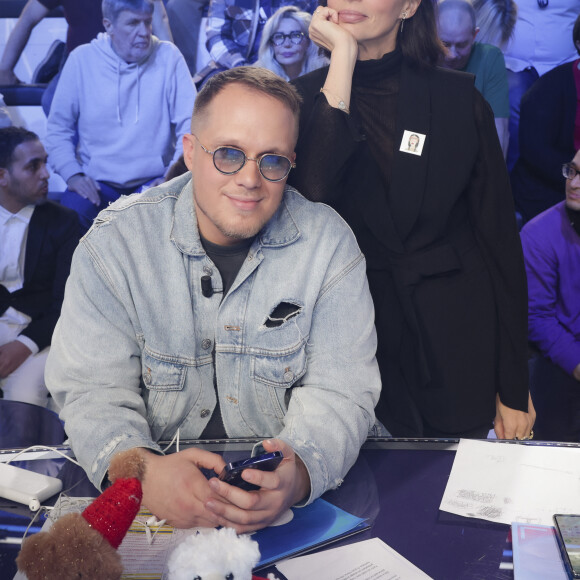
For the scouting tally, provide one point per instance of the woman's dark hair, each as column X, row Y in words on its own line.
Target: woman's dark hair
column 419, row 40
column 576, row 33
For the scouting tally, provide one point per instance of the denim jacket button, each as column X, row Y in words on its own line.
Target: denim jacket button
column 204, row 413
column 288, row 376
column 207, row 270
column 206, row 343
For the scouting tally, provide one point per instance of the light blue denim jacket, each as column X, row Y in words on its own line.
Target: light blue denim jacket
column 131, row 357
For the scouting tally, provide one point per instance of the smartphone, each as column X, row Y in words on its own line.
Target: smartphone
column 232, row 472
column 568, row 535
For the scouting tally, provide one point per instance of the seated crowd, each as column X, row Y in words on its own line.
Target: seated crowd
column 184, row 290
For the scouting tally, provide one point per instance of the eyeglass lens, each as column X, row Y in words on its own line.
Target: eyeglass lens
column 279, row 38
column 569, row 172
column 273, row 167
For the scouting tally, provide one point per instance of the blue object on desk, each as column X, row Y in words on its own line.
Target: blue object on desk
column 23, row 425
column 312, row 526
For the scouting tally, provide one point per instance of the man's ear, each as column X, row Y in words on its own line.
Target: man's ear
column 107, row 25
column 3, row 177
column 188, row 149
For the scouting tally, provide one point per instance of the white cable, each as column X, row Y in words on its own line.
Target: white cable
column 45, row 448
column 176, row 436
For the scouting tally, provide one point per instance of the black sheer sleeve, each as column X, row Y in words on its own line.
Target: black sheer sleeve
column 327, row 140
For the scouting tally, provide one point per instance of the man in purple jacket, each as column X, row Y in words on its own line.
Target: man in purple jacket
column 551, row 243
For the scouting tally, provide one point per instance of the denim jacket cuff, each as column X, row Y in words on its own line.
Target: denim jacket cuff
column 101, row 463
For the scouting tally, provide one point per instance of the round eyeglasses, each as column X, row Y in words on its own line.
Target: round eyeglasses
column 230, row 160
column 279, row 38
column 569, row 171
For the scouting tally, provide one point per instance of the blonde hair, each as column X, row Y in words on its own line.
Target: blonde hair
column 266, row 57
column 496, row 20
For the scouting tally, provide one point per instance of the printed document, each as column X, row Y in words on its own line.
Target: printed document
column 366, row 560
column 506, row 482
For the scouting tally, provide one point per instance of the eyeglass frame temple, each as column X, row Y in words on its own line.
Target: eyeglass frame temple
column 568, row 166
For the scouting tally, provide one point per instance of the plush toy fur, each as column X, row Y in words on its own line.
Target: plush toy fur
column 213, row 556
column 69, row 551
column 84, row 546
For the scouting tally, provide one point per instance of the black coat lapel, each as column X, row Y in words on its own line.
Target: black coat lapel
column 36, row 232
column 409, row 175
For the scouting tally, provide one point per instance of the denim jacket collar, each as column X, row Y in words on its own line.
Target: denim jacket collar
column 281, row 230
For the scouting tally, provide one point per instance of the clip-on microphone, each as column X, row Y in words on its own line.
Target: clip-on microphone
column 206, row 287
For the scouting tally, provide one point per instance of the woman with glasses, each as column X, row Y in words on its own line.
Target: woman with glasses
column 285, row 47
column 437, row 228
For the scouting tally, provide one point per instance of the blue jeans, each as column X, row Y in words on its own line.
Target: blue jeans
column 87, row 210
column 519, row 83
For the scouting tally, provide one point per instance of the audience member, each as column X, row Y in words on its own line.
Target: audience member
column 540, row 43
column 457, row 31
column 496, row 20
column 549, row 136
column 224, row 313
column 37, row 238
column 436, row 224
column 285, row 47
column 234, row 28
column 551, row 243
column 129, row 96
column 84, row 19
column 185, row 18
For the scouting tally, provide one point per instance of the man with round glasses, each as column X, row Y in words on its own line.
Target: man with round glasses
column 551, row 243
column 221, row 304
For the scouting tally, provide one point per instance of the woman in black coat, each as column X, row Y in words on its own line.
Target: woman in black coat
column 435, row 221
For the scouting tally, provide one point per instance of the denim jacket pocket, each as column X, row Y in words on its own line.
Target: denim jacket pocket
column 164, row 383
column 161, row 375
column 273, row 376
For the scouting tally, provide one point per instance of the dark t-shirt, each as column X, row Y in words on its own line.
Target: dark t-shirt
column 84, row 19
column 228, row 260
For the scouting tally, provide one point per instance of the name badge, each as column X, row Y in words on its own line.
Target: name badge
column 412, row 143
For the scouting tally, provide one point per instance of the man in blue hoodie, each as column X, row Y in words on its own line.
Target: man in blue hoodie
column 120, row 111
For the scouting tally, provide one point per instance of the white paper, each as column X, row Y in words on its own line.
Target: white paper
column 366, row 560
column 504, row 482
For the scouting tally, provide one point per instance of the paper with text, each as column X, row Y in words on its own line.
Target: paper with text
column 505, row 483
column 366, row 560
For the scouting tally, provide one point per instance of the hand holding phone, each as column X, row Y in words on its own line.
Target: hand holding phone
column 232, row 472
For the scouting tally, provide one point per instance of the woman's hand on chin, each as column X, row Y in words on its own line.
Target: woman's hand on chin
column 325, row 31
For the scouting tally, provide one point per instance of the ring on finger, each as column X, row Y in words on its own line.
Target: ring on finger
column 528, row 438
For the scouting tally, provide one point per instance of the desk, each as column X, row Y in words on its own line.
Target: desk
column 396, row 484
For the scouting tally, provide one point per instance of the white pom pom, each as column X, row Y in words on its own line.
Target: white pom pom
column 214, row 553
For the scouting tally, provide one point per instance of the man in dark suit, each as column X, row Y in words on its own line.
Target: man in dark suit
column 37, row 240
